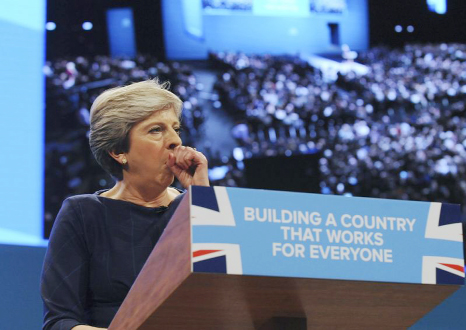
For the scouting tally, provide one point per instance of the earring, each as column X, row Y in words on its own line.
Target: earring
column 124, row 161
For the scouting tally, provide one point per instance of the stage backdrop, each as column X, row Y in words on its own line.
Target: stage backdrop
column 262, row 26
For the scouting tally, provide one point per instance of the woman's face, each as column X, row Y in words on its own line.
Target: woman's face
column 150, row 143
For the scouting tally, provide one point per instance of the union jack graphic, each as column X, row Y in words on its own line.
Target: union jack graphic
column 211, row 207
column 217, row 258
column 442, row 223
column 442, row 270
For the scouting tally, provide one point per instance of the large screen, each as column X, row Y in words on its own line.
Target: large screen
column 375, row 122
column 22, row 26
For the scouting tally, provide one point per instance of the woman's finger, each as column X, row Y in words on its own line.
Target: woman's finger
column 176, row 170
column 178, row 155
column 186, row 157
column 189, row 166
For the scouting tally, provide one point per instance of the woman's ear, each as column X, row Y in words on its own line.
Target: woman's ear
column 120, row 157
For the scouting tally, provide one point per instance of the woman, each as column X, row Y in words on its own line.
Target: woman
column 100, row 241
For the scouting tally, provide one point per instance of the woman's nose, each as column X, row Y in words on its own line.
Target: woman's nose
column 174, row 140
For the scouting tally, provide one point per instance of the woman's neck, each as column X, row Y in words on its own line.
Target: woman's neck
column 142, row 196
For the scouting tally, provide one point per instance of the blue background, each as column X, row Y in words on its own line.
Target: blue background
column 22, row 40
column 256, row 238
column 22, row 37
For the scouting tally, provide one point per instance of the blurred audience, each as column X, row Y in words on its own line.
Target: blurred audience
column 397, row 132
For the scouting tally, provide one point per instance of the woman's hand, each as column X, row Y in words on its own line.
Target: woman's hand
column 189, row 166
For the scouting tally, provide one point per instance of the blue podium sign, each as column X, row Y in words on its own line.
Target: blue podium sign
column 274, row 233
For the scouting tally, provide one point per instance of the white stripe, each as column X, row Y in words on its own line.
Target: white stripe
column 200, row 216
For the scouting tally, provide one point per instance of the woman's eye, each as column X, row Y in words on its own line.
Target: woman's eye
column 155, row 130
column 177, row 130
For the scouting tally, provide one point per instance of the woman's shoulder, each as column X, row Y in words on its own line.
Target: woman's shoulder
column 77, row 206
column 76, row 214
column 84, row 198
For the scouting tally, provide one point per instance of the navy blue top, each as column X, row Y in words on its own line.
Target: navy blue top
column 96, row 250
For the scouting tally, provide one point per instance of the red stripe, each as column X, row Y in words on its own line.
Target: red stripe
column 199, row 253
column 455, row 267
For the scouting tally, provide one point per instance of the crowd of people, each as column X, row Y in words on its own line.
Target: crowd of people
column 397, row 132
column 72, row 85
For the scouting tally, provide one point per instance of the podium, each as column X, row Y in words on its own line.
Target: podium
column 234, row 258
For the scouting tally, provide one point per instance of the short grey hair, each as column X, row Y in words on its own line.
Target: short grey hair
column 117, row 110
